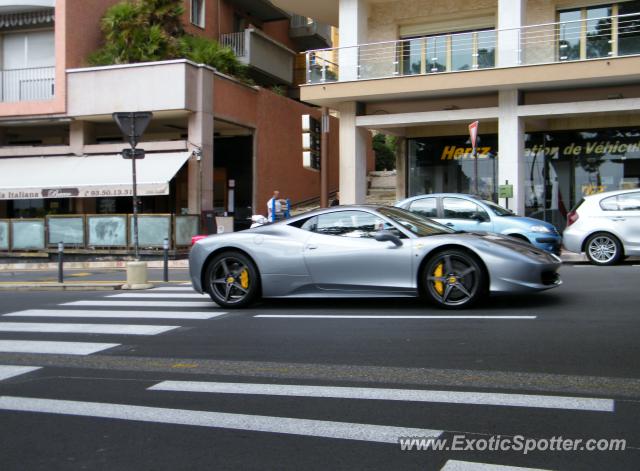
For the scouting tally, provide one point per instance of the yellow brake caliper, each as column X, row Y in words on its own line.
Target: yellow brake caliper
column 438, row 285
column 244, row 278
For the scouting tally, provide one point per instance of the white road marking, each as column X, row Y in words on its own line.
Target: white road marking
column 62, row 348
column 8, row 371
column 254, row 423
column 119, row 329
column 455, row 465
column 174, row 288
column 417, row 395
column 182, row 304
column 115, row 314
column 337, row 316
column 162, row 294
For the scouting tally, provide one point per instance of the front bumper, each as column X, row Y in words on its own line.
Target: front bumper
column 547, row 242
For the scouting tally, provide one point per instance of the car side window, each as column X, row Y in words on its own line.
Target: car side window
column 427, row 207
column 458, row 208
column 629, row 202
column 610, row 203
column 358, row 224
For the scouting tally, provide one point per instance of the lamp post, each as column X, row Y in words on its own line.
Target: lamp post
column 132, row 125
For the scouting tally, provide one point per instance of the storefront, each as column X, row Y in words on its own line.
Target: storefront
column 561, row 167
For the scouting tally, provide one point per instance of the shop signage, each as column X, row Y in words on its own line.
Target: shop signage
column 60, row 193
column 145, row 189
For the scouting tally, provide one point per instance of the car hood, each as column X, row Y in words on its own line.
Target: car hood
column 525, row 222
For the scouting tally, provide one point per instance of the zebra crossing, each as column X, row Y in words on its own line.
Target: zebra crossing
column 311, row 426
column 98, row 317
column 94, row 318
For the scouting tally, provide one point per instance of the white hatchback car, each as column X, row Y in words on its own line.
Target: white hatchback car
column 605, row 226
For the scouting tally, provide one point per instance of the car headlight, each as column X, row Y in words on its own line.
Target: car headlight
column 543, row 229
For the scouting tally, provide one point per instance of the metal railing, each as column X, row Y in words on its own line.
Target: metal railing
column 28, row 84
column 584, row 39
column 235, row 41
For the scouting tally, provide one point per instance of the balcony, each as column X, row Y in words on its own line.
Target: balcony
column 31, row 84
column 308, row 33
column 268, row 60
column 568, row 41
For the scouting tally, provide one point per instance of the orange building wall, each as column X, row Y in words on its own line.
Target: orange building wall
column 279, row 30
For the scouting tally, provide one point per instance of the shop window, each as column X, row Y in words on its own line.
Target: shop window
column 599, row 31
column 197, row 13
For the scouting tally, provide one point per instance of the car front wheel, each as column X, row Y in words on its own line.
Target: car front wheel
column 454, row 279
column 603, row 249
column 232, row 280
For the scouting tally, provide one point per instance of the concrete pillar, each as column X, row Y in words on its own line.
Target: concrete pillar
column 510, row 19
column 200, row 165
column 511, row 164
column 353, row 157
column 80, row 134
column 401, row 168
column 353, row 17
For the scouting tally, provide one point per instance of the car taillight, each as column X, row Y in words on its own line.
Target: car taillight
column 572, row 217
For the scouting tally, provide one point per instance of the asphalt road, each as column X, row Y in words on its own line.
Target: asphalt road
column 124, row 384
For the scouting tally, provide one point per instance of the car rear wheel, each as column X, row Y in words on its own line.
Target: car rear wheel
column 232, row 280
column 603, row 249
column 454, row 279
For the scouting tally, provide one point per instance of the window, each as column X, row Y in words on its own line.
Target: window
column 599, row 31
column 626, row 202
column 427, row 207
column 348, row 224
column 629, row 202
column 609, row 204
column 197, row 13
column 457, row 208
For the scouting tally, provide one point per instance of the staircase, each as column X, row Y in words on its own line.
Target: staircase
column 382, row 188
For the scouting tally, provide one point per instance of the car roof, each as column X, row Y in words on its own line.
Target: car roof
column 606, row 194
column 440, row 195
column 332, row 209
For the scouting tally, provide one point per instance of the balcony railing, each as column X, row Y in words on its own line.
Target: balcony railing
column 235, row 41
column 27, row 84
column 585, row 39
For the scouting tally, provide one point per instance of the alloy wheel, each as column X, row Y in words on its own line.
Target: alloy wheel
column 602, row 249
column 231, row 281
column 453, row 279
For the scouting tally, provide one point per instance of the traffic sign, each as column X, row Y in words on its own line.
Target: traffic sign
column 473, row 133
column 133, row 125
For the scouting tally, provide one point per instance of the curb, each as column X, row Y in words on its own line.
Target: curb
column 61, row 287
column 88, row 265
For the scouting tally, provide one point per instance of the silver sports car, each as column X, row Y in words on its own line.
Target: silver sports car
column 366, row 251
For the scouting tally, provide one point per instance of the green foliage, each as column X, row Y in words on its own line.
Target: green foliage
column 152, row 30
column 205, row 51
column 385, row 149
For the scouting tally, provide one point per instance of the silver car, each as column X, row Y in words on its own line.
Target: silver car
column 366, row 251
column 605, row 226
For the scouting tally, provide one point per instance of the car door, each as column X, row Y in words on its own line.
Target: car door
column 626, row 220
column 465, row 215
column 343, row 255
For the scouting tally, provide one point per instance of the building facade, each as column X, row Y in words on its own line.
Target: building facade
column 553, row 84
column 216, row 146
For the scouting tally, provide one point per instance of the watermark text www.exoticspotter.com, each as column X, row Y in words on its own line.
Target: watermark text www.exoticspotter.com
column 518, row 443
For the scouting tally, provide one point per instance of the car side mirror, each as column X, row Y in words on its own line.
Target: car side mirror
column 386, row 236
column 479, row 217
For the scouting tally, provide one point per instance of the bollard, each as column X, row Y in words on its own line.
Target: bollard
column 166, row 260
column 60, row 262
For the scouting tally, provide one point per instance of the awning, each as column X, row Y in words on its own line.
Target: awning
column 87, row 176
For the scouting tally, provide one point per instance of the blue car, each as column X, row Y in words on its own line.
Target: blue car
column 471, row 214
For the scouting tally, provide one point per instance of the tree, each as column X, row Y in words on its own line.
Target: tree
column 152, row 30
column 385, row 149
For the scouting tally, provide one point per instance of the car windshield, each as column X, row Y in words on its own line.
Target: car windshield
column 499, row 210
column 418, row 225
